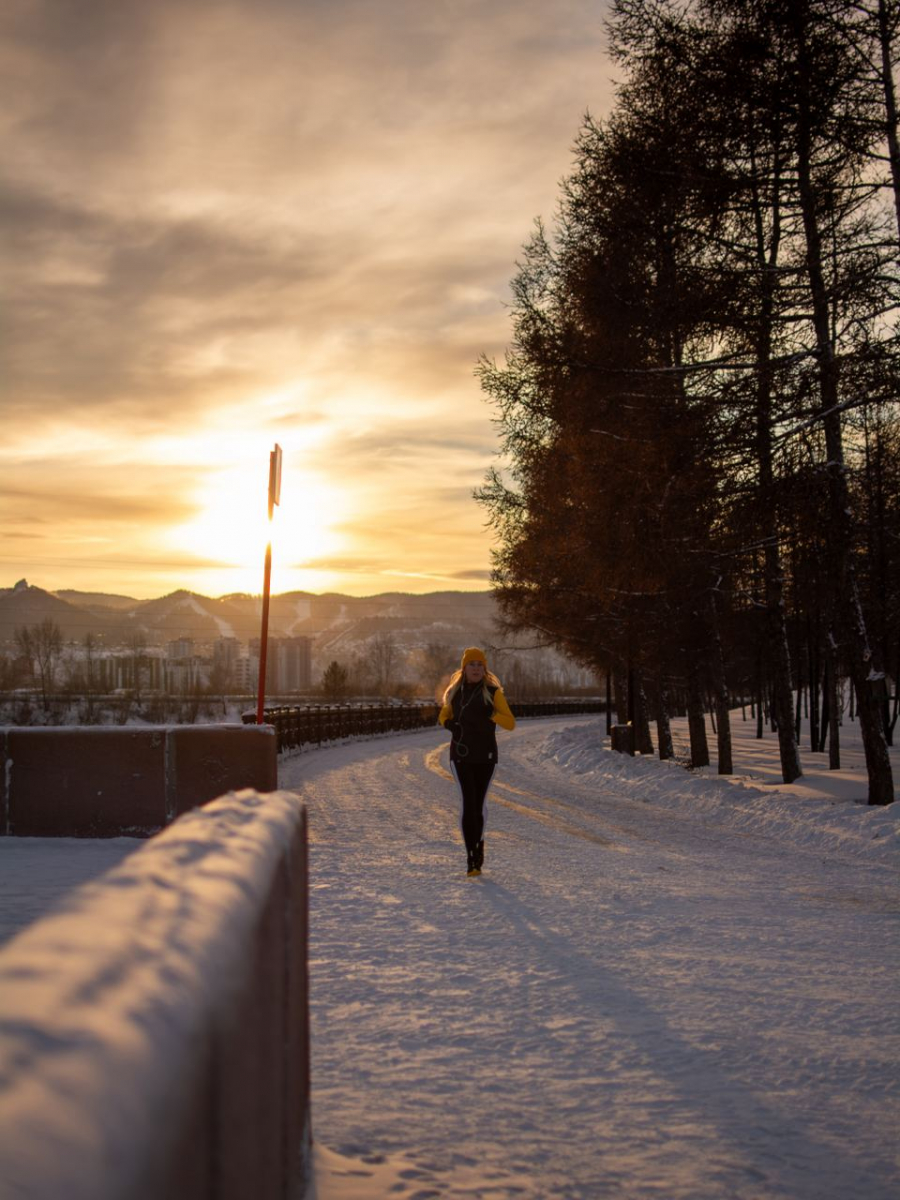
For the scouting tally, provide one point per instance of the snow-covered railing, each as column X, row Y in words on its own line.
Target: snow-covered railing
column 317, row 724
column 154, row 1030
column 112, row 781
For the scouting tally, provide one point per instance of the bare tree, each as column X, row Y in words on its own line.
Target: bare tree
column 42, row 646
column 382, row 661
column 89, row 677
column 10, row 670
column 137, row 644
column 220, row 681
column 434, row 663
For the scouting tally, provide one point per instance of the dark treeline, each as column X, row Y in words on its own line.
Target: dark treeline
column 699, row 408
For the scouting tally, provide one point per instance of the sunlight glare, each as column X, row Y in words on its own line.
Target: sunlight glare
column 231, row 527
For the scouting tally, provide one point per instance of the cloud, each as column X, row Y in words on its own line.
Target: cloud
column 216, row 204
column 70, row 502
column 469, row 576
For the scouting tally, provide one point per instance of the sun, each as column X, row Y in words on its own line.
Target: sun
column 231, row 528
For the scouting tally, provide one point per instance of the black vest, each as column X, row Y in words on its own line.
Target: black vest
column 478, row 741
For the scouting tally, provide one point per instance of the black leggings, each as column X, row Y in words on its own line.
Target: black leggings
column 474, row 780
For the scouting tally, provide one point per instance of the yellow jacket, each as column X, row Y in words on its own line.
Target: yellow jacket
column 502, row 714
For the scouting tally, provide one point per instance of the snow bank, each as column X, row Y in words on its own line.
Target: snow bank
column 153, row 1030
column 815, row 812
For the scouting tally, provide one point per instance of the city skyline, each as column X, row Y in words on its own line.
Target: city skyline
column 228, row 227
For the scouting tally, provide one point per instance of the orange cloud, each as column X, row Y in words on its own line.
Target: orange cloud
column 237, row 224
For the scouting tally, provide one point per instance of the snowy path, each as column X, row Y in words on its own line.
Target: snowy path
column 631, row 1002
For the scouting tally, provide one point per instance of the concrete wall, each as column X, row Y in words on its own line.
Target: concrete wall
column 154, row 1040
column 122, row 781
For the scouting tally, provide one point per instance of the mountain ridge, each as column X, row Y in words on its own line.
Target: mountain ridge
column 183, row 613
column 433, row 626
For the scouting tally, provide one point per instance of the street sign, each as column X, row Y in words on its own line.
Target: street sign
column 274, row 498
column 275, row 476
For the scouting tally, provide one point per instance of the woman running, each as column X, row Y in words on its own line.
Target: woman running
column 474, row 705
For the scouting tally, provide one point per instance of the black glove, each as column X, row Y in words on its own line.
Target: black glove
column 454, row 728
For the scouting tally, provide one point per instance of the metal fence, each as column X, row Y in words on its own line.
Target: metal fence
column 315, row 724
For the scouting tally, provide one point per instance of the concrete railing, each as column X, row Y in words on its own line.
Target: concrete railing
column 74, row 781
column 154, row 1029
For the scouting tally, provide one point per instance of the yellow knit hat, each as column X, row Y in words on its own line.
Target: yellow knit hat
column 473, row 654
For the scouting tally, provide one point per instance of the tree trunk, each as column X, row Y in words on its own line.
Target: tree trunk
column 621, row 694
column 720, row 692
column 696, row 721
column 643, row 742
column 813, row 653
column 886, row 706
column 834, row 727
column 663, row 724
column 780, row 667
column 846, row 602
column 890, row 102
column 768, row 204
column 826, row 707
column 868, row 708
column 723, row 734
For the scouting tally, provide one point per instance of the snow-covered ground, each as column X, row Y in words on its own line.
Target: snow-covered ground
column 665, row 984
column 36, row 873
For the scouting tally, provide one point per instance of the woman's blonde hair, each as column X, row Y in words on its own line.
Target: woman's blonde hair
column 456, row 683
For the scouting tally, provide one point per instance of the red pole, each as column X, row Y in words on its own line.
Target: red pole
column 264, row 638
column 274, row 456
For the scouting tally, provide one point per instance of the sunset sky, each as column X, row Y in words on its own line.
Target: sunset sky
column 230, row 223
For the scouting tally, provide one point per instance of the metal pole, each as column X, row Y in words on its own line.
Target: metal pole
column 274, row 498
column 264, row 637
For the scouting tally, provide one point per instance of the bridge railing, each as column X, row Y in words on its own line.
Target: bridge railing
column 154, row 1027
column 316, row 724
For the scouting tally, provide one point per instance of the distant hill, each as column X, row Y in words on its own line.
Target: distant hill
column 437, row 624
column 96, row 600
column 330, row 620
column 186, row 614
column 26, row 605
